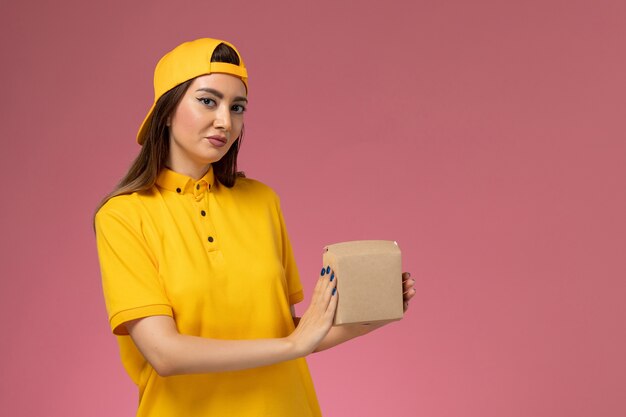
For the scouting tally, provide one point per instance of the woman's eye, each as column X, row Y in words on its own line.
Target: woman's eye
column 207, row 101
column 238, row 108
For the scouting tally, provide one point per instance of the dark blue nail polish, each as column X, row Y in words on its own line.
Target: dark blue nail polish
column 332, row 277
column 323, row 271
column 328, row 269
column 334, row 291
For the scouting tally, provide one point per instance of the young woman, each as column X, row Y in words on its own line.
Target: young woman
column 198, row 273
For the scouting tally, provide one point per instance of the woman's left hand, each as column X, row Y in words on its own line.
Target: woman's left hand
column 408, row 289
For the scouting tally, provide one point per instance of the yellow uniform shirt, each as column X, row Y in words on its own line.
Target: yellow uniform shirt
column 218, row 260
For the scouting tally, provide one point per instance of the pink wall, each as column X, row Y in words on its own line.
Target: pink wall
column 486, row 137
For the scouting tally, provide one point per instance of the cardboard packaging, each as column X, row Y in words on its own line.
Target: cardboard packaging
column 369, row 280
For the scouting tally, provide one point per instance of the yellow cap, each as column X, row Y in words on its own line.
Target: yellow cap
column 186, row 61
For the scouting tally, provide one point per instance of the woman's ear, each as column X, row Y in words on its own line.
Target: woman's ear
column 168, row 122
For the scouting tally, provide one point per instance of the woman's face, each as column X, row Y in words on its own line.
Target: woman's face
column 206, row 122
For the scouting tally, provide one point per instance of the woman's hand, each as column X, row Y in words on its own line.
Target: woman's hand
column 341, row 334
column 407, row 289
column 318, row 318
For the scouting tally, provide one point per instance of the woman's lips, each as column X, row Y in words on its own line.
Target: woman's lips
column 217, row 141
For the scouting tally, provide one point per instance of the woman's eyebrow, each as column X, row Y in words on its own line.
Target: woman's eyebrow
column 219, row 94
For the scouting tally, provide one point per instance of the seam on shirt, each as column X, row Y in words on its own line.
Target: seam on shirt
column 296, row 297
column 118, row 319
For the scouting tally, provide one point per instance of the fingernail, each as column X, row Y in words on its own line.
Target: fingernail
column 328, row 269
column 334, row 291
column 332, row 276
column 323, row 271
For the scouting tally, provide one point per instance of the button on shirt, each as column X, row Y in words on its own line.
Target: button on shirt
column 218, row 260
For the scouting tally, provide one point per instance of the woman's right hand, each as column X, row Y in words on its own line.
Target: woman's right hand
column 317, row 320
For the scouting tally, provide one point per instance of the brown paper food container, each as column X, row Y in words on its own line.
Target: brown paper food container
column 369, row 280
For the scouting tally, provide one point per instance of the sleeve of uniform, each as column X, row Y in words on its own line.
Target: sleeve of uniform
column 296, row 293
column 129, row 270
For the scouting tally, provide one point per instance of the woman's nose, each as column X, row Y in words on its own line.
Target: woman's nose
column 222, row 118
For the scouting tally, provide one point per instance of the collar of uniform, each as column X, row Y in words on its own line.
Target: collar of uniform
column 182, row 184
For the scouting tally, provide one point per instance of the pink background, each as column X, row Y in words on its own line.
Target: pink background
column 486, row 137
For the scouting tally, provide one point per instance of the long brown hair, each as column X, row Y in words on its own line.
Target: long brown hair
column 156, row 141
